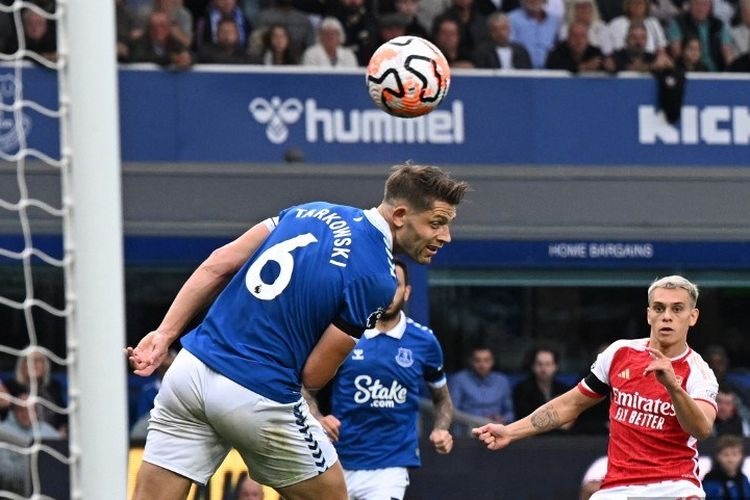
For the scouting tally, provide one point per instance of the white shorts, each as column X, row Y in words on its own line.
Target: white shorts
column 199, row 415
column 377, row 484
column 666, row 490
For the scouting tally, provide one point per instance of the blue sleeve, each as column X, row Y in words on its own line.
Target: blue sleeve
column 433, row 369
column 365, row 299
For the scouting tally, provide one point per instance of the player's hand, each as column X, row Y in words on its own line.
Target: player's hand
column 442, row 440
column 331, row 425
column 148, row 354
column 494, row 436
column 661, row 366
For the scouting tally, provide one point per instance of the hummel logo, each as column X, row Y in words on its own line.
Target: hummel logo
column 277, row 115
column 624, row 374
column 358, row 354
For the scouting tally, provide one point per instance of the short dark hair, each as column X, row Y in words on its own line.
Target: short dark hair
column 421, row 185
column 404, row 268
column 533, row 353
column 728, row 441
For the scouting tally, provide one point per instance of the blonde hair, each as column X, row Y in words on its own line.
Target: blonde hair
column 673, row 282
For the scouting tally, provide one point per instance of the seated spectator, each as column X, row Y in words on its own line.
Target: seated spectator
column 535, row 29
column 298, row 26
column 575, row 54
column 409, row 9
column 227, row 49
column 359, row 24
column 715, row 38
column 35, row 366
column 180, row 18
column 741, row 32
column 18, row 429
column 472, row 26
column 275, row 47
column 718, row 361
column 40, row 35
column 390, row 26
column 634, row 56
column 480, row 391
column 159, row 46
column 207, row 26
column 728, row 418
column 586, row 12
column 690, row 55
column 726, row 481
column 330, row 51
column 446, row 35
column 540, row 386
column 637, row 11
column 500, row 52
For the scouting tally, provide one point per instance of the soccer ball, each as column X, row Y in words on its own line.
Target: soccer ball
column 408, row 76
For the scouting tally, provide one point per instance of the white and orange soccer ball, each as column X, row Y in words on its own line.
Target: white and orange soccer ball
column 408, row 76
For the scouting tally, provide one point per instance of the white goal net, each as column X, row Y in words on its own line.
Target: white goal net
column 62, row 397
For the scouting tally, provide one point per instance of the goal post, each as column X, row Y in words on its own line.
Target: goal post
column 93, row 240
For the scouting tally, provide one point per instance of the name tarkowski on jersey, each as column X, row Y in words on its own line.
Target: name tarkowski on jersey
column 378, row 395
column 341, row 233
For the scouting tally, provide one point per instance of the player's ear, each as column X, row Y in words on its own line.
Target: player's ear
column 694, row 316
column 399, row 215
column 407, row 293
column 648, row 318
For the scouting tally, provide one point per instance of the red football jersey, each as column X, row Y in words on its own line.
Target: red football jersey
column 646, row 442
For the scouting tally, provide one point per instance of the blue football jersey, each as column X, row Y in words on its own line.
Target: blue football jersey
column 376, row 395
column 321, row 264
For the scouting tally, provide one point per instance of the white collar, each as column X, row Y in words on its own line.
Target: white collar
column 396, row 332
column 377, row 220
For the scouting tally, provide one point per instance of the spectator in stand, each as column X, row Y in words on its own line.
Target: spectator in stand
column 390, row 26
column 360, row 26
column 330, row 51
column 227, row 49
column 716, row 40
column 728, row 418
column 36, row 367
column 718, row 360
column 637, row 11
column 180, row 18
column 127, row 30
column 726, row 481
column 690, row 55
column 535, row 29
column 275, row 47
column 18, row 428
column 487, row 7
column 540, row 386
column 472, row 25
column 575, row 54
column 446, row 35
column 741, row 32
column 500, row 52
column 159, row 46
column 480, row 391
column 634, row 56
column 298, row 26
column 39, row 34
column 409, row 9
column 207, row 26
column 586, row 12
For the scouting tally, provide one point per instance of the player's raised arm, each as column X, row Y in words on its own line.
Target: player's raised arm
column 197, row 292
column 558, row 412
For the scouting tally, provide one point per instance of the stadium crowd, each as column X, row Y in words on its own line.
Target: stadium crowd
column 573, row 35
